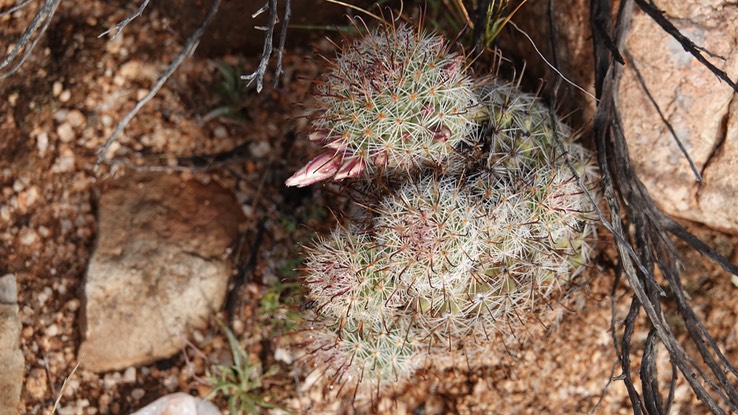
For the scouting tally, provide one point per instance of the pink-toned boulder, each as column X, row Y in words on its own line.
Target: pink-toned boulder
column 702, row 109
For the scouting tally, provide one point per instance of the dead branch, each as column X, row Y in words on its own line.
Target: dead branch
column 653, row 247
column 12, row 9
column 658, row 16
column 642, row 82
column 268, row 48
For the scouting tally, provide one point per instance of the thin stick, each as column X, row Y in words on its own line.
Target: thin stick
column 266, row 53
column 18, row 6
column 282, row 39
column 38, row 26
column 122, row 24
column 188, row 49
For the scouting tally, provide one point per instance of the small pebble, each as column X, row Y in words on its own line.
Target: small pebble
column 44, row 295
column 8, row 289
column 27, row 236
column 220, row 132
column 129, row 376
column 76, row 118
column 13, row 99
column 42, row 143
column 260, row 149
column 57, row 88
column 61, row 115
column 65, row 162
column 73, row 305
column 36, row 385
column 171, row 383
column 18, row 186
column 65, row 96
column 52, row 330
column 137, row 394
column 65, row 132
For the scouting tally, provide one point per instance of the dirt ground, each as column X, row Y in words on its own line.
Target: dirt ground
column 57, row 111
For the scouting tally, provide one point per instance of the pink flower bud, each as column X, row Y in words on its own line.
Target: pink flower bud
column 319, row 168
column 337, row 145
column 352, row 167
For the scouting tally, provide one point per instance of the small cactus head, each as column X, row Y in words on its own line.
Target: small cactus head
column 365, row 357
column 394, row 99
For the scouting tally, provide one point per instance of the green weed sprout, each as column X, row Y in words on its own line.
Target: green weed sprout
column 240, row 383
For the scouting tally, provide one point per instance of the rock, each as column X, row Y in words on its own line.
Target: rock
column 702, row 109
column 8, row 290
column 179, row 404
column 12, row 365
column 160, row 268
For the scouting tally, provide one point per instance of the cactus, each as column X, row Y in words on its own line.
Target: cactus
column 394, row 99
column 457, row 250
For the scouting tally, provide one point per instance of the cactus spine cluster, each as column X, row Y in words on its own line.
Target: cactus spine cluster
column 488, row 215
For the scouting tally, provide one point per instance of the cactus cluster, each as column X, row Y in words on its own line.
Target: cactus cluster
column 484, row 222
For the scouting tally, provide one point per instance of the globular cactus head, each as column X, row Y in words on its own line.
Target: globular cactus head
column 394, row 99
column 366, row 356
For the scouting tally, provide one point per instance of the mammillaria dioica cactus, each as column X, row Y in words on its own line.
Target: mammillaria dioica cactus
column 454, row 254
column 394, row 99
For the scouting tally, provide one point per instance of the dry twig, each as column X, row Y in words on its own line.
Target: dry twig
column 30, row 37
column 118, row 28
column 266, row 53
column 187, row 50
column 653, row 247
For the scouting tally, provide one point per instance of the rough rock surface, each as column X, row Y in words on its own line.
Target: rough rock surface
column 702, row 110
column 179, row 404
column 160, row 268
column 12, row 364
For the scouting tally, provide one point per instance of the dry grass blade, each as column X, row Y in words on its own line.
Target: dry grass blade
column 357, row 8
column 63, row 388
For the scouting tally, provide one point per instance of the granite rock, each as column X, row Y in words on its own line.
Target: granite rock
column 159, row 269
